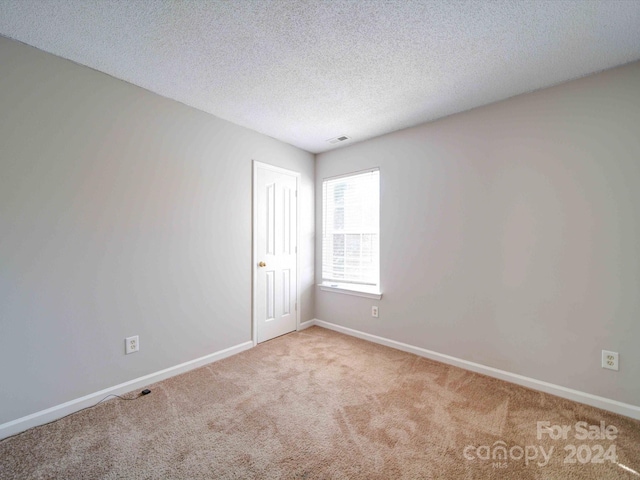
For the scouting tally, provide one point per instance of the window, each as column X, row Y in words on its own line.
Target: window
column 351, row 233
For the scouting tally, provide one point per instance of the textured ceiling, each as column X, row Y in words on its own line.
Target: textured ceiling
column 307, row 71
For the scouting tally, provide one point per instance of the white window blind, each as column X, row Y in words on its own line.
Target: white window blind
column 351, row 229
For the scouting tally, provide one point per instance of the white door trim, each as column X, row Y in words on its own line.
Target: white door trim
column 254, row 247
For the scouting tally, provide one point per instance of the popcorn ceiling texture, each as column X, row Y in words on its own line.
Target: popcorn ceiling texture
column 308, row 71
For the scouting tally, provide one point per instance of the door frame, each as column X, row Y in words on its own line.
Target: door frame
column 254, row 243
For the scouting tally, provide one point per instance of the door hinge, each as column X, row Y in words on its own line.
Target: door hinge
column 296, row 309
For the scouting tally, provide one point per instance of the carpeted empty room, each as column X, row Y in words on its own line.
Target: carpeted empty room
column 320, row 404
column 319, row 239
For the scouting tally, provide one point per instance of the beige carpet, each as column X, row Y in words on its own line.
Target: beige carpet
column 318, row 404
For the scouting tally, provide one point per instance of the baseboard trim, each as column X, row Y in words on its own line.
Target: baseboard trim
column 307, row 324
column 45, row 416
column 610, row 405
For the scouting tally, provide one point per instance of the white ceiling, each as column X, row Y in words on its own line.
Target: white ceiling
column 307, row 71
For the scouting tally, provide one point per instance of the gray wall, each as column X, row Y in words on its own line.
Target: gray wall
column 510, row 234
column 121, row 213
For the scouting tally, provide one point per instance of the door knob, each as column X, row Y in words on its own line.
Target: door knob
column 262, row 264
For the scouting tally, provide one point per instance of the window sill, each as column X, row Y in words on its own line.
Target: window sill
column 349, row 289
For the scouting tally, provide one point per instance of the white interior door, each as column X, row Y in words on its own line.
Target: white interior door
column 275, row 260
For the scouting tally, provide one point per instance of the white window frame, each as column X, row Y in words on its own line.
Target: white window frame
column 357, row 289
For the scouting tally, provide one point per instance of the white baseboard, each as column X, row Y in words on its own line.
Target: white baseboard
column 614, row 406
column 64, row 409
column 59, row 411
column 307, row 324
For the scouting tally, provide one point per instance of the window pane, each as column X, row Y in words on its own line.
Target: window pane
column 338, row 218
column 350, row 250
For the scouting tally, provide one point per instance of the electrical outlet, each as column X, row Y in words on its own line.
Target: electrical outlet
column 374, row 311
column 610, row 360
column 131, row 344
